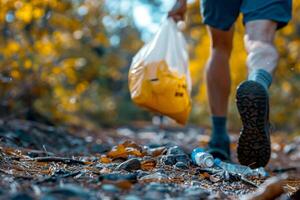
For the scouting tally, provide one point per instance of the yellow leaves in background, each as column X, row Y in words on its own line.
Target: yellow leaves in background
column 286, row 87
column 12, row 47
column 27, row 64
column 38, row 13
column 56, row 70
column 81, row 87
column 294, row 49
column 58, row 49
column 15, row 74
column 44, row 47
column 25, row 13
column 65, row 99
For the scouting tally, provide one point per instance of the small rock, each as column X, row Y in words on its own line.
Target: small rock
column 156, row 151
column 110, row 188
column 168, row 160
column 130, row 165
column 195, row 183
column 218, row 195
column 132, row 197
column 67, row 191
column 132, row 177
column 21, row 196
column 290, row 148
column 141, row 173
column 160, row 170
column 125, row 132
column 214, row 178
column 181, row 165
column 183, row 158
column 154, row 145
column 175, row 150
column 37, row 153
column 155, row 177
column 158, row 187
column 154, row 195
column 195, row 192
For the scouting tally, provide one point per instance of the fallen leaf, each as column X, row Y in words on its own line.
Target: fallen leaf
column 157, row 151
column 118, row 151
column 148, row 165
column 105, row 159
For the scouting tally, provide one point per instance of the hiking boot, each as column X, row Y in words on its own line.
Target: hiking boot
column 254, row 147
column 220, row 148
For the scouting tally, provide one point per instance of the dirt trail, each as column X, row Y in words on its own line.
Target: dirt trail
column 42, row 162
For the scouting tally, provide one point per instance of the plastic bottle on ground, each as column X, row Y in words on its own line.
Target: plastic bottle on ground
column 201, row 158
column 240, row 169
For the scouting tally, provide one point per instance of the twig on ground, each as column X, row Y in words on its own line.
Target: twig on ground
column 16, row 176
column 56, row 159
column 248, row 182
column 55, row 177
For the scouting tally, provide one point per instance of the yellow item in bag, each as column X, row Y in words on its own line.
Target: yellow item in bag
column 159, row 77
column 156, row 87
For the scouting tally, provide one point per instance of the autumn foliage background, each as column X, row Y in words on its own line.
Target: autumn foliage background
column 66, row 62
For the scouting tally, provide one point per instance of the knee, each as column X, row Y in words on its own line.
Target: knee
column 261, row 30
column 261, row 54
column 221, row 46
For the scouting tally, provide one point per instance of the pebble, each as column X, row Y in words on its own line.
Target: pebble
column 158, row 187
column 175, row 150
column 183, row 158
column 21, row 196
column 132, row 177
column 130, row 165
column 168, row 160
column 290, row 148
column 132, row 197
column 67, row 191
column 195, row 192
column 153, row 195
column 181, row 165
column 155, row 177
column 141, row 173
column 110, row 188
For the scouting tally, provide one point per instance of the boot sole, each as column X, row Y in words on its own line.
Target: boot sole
column 254, row 148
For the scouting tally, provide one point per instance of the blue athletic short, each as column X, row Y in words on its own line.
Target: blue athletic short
column 222, row 14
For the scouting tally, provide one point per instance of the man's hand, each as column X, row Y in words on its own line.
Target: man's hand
column 178, row 11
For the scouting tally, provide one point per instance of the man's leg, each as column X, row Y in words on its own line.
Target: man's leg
column 252, row 96
column 218, row 88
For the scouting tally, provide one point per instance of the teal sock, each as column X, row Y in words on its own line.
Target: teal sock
column 219, row 138
column 261, row 76
column 219, row 125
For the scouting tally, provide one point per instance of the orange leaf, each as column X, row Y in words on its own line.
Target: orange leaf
column 134, row 152
column 148, row 165
column 105, row 159
column 132, row 144
column 118, row 152
column 157, row 151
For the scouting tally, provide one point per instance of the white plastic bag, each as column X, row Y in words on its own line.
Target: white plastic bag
column 159, row 78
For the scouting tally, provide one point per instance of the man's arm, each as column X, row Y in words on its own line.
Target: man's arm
column 178, row 11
